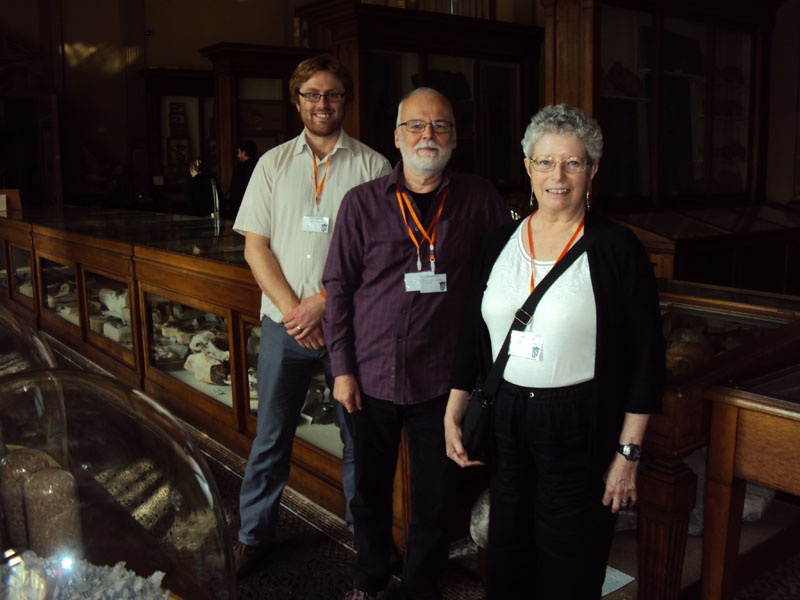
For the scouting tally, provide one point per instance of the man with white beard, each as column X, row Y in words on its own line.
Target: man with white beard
column 396, row 280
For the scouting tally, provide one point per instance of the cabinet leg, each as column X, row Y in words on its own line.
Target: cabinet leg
column 667, row 494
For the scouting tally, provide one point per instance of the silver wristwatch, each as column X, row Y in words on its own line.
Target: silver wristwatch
column 632, row 452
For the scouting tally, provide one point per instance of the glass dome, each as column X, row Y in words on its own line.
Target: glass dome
column 104, row 495
column 21, row 346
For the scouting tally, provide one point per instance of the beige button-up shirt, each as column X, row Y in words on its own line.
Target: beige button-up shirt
column 281, row 192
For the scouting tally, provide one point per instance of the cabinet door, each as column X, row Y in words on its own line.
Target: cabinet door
column 625, row 103
column 263, row 113
column 731, row 112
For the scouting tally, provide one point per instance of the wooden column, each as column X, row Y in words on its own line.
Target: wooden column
column 569, row 40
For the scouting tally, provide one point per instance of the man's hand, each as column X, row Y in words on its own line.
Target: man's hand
column 303, row 318
column 346, row 392
column 311, row 339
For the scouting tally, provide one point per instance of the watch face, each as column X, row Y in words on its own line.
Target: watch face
column 631, row 451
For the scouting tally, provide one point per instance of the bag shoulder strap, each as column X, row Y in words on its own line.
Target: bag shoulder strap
column 525, row 313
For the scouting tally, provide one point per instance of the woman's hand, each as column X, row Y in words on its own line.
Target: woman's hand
column 453, row 416
column 620, row 476
column 620, row 481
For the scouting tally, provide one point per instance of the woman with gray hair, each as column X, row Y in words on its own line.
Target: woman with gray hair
column 581, row 377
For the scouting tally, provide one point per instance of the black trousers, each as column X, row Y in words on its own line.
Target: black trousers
column 549, row 533
column 376, row 431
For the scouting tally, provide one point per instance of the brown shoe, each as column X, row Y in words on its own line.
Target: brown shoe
column 246, row 557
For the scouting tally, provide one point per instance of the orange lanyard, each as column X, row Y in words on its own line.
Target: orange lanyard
column 431, row 237
column 318, row 188
column 563, row 252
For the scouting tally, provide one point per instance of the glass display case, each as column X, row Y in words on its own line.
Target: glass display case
column 109, row 309
column 22, row 274
column 21, row 346
column 190, row 345
column 103, row 490
column 60, row 290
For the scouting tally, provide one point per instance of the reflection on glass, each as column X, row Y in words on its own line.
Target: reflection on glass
column 3, row 266
column 252, row 334
column 683, row 114
column 454, row 76
column 23, row 279
column 499, row 112
column 261, row 111
column 696, row 335
column 624, row 110
column 109, row 309
column 318, row 424
column 731, row 111
column 190, row 345
column 60, row 291
column 392, row 75
column 118, row 501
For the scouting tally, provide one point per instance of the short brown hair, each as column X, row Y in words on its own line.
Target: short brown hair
column 324, row 62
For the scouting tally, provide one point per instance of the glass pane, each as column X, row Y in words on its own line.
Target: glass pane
column 60, row 291
column 454, row 76
column 252, row 334
column 391, row 75
column 731, row 111
column 180, row 135
column 21, row 263
column 683, row 98
column 624, row 108
column 318, row 424
column 96, row 475
column 501, row 113
column 109, row 309
column 3, row 265
column 190, row 345
column 262, row 111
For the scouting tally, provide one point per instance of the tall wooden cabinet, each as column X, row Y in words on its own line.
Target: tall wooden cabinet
column 489, row 70
column 679, row 89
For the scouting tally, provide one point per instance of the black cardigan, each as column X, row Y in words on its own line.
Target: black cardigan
column 629, row 353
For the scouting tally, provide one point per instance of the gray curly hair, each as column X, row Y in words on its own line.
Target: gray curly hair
column 563, row 119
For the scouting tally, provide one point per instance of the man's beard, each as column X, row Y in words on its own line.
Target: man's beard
column 322, row 128
column 428, row 165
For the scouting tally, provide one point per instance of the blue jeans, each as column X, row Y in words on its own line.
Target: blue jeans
column 377, row 430
column 284, row 375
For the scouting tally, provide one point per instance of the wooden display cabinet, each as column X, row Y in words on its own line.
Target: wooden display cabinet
column 755, row 436
column 721, row 329
column 101, row 319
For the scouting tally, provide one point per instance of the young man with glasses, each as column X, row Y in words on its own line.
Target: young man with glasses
column 287, row 217
column 396, row 278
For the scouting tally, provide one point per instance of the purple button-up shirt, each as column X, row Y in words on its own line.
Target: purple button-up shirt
column 400, row 344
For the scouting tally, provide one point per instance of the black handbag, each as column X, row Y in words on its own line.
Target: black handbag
column 476, row 425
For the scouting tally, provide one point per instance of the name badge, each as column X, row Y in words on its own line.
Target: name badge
column 524, row 344
column 433, row 283
column 426, row 282
column 316, row 224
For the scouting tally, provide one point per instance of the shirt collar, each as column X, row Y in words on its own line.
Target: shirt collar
column 395, row 179
column 345, row 142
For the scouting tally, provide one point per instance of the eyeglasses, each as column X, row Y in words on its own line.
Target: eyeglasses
column 418, row 126
column 573, row 164
column 316, row 96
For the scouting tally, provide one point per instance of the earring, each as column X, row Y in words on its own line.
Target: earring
column 531, row 198
column 588, row 202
